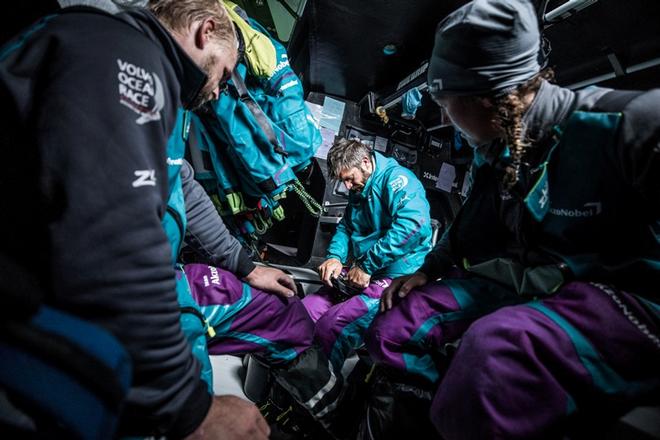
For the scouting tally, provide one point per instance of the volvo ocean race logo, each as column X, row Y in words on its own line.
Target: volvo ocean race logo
column 141, row 91
column 399, row 182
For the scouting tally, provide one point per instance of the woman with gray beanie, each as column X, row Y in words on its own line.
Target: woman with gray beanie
column 550, row 275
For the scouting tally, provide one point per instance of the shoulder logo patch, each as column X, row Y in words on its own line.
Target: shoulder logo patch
column 141, row 91
column 400, row 182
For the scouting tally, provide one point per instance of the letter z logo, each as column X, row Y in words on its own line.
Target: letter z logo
column 144, row 178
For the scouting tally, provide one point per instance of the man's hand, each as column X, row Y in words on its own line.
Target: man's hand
column 330, row 268
column 401, row 286
column 232, row 418
column 358, row 277
column 272, row 280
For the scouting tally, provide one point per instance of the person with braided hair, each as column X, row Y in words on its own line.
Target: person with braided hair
column 539, row 308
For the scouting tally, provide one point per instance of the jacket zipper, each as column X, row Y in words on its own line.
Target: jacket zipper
column 177, row 218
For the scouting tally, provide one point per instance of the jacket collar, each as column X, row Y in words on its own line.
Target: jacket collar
column 370, row 181
column 191, row 77
column 550, row 107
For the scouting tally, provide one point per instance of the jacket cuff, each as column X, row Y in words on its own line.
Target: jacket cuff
column 427, row 270
column 336, row 257
column 434, row 269
column 192, row 412
column 366, row 266
column 244, row 265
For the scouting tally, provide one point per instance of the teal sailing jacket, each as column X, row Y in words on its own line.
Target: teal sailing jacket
column 386, row 228
column 174, row 222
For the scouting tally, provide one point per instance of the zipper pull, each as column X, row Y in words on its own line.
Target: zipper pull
column 210, row 331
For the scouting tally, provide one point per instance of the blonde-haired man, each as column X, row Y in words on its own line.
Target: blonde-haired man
column 92, row 105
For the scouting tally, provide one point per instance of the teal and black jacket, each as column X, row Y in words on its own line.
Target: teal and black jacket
column 386, row 228
column 587, row 206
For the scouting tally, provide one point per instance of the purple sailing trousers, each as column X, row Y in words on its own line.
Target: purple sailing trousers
column 340, row 326
column 523, row 369
column 248, row 320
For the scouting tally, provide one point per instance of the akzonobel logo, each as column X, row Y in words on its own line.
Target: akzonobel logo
column 588, row 210
column 214, row 277
column 141, row 91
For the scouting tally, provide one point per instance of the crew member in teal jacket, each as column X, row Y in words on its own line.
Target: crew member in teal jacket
column 385, row 233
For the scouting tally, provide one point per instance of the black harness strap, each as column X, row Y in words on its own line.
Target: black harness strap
column 256, row 111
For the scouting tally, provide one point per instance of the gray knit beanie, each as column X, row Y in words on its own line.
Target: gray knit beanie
column 485, row 47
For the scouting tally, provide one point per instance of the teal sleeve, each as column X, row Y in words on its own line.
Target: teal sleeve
column 404, row 197
column 338, row 247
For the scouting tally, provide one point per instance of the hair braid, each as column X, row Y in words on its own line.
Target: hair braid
column 510, row 109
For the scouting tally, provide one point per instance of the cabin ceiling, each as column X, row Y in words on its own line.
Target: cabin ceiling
column 338, row 45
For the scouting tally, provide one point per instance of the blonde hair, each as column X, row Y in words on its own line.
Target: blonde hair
column 179, row 15
column 509, row 111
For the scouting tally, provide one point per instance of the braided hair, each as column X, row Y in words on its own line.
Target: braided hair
column 509, row 111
